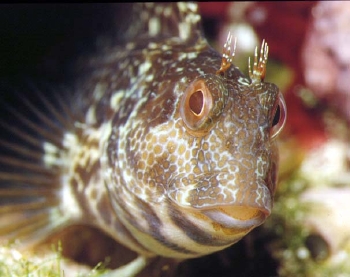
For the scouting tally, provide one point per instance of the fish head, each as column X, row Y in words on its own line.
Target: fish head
column 230, row 173
column 202, row 149
column 224, row 147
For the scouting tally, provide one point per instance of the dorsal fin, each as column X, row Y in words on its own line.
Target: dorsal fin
column 163, row 20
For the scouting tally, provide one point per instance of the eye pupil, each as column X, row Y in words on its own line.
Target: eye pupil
column 277, row 116
column 196, row 102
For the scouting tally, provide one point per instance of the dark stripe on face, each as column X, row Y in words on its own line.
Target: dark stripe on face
column 115, row 223
column 192, row 231
column 155, row 224
column 117, row 226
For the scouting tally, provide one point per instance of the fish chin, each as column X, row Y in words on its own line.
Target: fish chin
column 238, row 217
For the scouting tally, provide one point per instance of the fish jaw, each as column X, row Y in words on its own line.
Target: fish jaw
column 239, row 217
column 232, row 205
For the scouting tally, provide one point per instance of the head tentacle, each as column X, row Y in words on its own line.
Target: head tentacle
column 258, row 73
column 227, row 55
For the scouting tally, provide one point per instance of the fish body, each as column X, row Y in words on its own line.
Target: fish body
column 166, row 146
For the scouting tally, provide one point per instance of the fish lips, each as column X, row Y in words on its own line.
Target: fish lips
column 240, row 206
column 236, row 217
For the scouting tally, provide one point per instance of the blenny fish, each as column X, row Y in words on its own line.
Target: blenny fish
column 165, row 145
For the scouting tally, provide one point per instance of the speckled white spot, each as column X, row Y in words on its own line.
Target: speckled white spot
column 115, row 100
column 144, row 67
column 153, row 26
column 50, row 154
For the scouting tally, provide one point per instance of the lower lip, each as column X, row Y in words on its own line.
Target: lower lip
column 236, row 217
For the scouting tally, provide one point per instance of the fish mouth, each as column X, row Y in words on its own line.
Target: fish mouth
column 232, row 205
column 239, row 217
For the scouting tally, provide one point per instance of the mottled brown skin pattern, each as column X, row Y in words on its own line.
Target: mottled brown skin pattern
column 172, row 151
column 154, row 157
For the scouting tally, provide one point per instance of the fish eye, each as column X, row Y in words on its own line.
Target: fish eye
column 279, row 116
column 196, row 107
